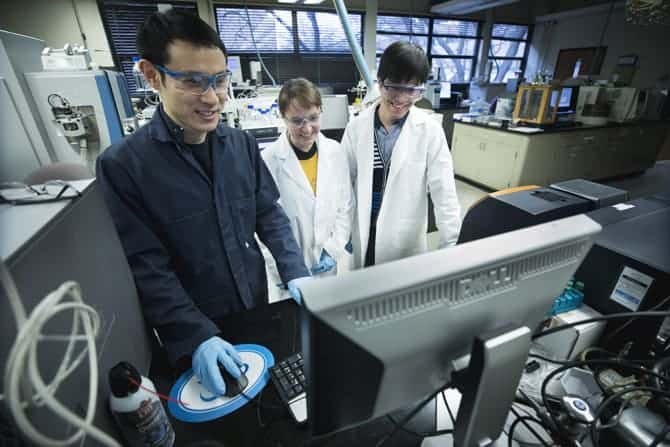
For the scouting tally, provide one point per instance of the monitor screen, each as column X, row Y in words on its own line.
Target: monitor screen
column 385, row 337
column 566, row 98
column 235, row 66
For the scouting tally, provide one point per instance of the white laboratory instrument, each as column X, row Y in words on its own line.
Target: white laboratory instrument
column 91, row 109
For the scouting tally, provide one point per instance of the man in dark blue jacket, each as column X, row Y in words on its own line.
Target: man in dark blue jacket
column 187, row 195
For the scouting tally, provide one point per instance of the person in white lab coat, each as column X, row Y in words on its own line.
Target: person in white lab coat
column 312, row 175
column 398, row 155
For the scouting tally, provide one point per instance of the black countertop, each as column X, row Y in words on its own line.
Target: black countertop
column 560, row 129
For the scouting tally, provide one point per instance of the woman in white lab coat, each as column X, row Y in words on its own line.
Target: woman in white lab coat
column 312, row 175
column 397, row 155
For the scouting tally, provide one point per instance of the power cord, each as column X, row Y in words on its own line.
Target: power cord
column 23, row 355
column 660, row 437
column 523, row 419
column 612, row 398
column 632, row 315
column 427, row 434
column 399, row 426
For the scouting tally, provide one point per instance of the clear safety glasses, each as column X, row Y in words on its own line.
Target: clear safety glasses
column 299, row 121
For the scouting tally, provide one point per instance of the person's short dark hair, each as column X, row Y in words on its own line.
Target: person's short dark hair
column 162, row 28
column 403, row 62
column 301, row 91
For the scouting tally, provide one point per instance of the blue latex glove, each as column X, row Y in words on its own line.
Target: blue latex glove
column 206, row 359
column 325, row 264
column 294, row 291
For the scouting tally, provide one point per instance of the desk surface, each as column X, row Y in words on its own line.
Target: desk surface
column 276, row 327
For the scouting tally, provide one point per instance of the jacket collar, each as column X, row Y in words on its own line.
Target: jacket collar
column 286, row 148
column 163, row 128
column 414, row 118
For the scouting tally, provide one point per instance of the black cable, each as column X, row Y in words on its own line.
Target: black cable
column 644, row 314
column 451, row 415
column 660, row 437
column 419, row 434
column 613, row 397
column 522, row 419
column 614, row 358
column 531, row 429
column 611, row 335
column 409, row 416
column 615, row 363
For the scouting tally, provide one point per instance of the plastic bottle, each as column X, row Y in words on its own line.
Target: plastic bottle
column 137, row 409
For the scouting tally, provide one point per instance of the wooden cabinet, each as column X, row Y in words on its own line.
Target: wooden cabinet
column 501, row 159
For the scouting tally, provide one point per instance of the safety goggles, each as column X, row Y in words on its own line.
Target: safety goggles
column 18, row 193
column 299, row 121
column 199, row 83
column 413, row 91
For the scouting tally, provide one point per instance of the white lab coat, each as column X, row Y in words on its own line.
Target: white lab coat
column 318, row 222
column 421, row 164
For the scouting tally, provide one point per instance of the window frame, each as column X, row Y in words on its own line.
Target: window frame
column 294, row 20
column 399, row 33
column 478, row 43
column 523, row 59
column 119, row 59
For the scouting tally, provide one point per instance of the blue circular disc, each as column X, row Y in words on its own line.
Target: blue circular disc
column 191, row 402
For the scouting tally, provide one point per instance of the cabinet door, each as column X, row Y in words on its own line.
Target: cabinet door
column 466, row 153
column 498, row 164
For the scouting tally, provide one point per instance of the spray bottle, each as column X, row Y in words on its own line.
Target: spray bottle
column 137, row 409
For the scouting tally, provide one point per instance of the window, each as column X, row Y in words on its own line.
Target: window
column 292, row 42
column 322, row 32
column 393, row 28
column 454, row 46
column 272, row 30
column 508, row 51
column 121, row 20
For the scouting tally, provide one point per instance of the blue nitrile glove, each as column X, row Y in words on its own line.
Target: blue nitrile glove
column 349, row 247
column 294, row 291
column 325, row 264
column 206, row 359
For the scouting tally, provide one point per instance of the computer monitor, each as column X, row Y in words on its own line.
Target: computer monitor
column 386, row 337
column 235, row 66
column 566, row 98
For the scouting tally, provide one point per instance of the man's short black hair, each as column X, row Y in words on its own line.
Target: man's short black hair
column 162, row 28
column 403, row 62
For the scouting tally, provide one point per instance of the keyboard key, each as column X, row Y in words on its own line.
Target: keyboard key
column 293, row 382
column 286, row 370
column 301, row 378
column 298, row 389
column 290, row 393
column 284, row 383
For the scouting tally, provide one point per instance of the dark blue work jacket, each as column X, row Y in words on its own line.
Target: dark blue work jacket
column 189, row 239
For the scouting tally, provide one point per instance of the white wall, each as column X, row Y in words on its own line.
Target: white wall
column 54, row 22
column 582, row 28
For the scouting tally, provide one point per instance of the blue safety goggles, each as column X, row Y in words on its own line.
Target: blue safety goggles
column 198, row 83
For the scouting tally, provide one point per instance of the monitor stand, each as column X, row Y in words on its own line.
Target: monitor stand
column 488, row 385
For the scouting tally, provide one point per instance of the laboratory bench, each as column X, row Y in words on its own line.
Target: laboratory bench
column 500, row 158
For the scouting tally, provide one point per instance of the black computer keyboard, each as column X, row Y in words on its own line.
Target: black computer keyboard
column 289, row 379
